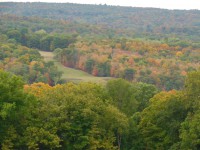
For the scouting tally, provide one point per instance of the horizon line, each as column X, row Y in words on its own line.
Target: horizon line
column 100, row 5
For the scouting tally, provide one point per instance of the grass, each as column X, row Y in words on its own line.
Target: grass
column 73, row 75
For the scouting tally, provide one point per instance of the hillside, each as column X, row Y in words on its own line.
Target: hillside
column 153, row 46
column 98, row 77
column 126, row 19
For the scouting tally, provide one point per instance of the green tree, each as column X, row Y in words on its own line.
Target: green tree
column 143, row 92
column 33, row 41
column 161, row 120
column 14, row 34
column 74, row 117
column 129, row 74
column 45, row 43
column 14, row 105
column 190, row 132
column 192, row 90
column 71, row 55
column 104, row 69
column 89, row 65
column 122, row 96
column 58, row 42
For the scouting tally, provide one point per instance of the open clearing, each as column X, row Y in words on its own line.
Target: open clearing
column 73, row 75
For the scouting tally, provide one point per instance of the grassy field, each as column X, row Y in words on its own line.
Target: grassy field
column 71, row 74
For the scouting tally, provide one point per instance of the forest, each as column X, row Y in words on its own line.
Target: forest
column 148, row 58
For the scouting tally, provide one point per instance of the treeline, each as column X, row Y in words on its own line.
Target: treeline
column 133, row 21
column 26, row 62
column 40, row 39
column 148, row 61
column 120, row 115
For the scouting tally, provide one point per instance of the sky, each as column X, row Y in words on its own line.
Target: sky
column 168, row 4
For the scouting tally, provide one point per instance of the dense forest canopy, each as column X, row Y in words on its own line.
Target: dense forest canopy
column 155, row 46
column 119, row 115
column 149, row 58
column 162, row 61
column 136, row 20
